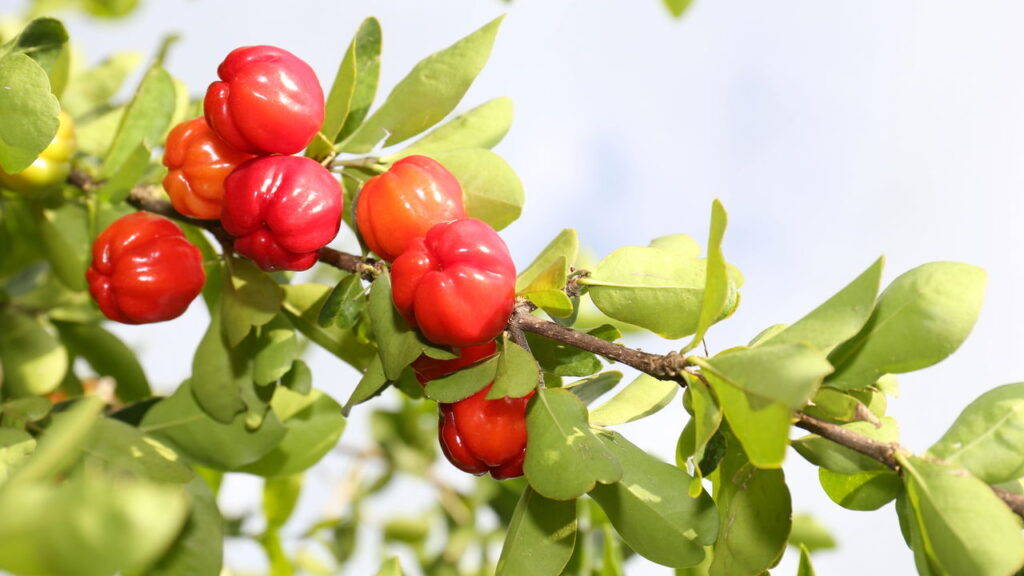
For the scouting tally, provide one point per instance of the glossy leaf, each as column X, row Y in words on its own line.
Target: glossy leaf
column 464, row 383
column 345, row 304
column 516, row 374
column 192, row 552
column 921, row 318
column 561, row 359
column 370, row 385
column 491, row 190
column 276, row 351
column 218, row 376
column 592, row 388
column 27, row 97
column 547, row 290
column 786, row 374
column 180, row 422
column 33, row 360
column 840, row 318
column 564, row 459
column 647, row 508
column 640, row 398
column 302, row 305
column 540, row 537
column 108, row 356
column 762, row 428
column 145, row 120
column 716, row 283
column 251, row 298
column 398, row 344
column 986, row 438
column 964, row 527
column 566, row 245
column 427, row 94
column 862, row 491
column 481, row 127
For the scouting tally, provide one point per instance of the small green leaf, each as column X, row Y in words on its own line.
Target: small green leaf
column 251, row 298
column 564, row 459
column 108, row 356
column 353, row 90
column 517, row 373
column 754, row 508
column 561, row 359
column 123, row 449
column 276, row 350
column 345, row 304
column 864, row 491
column 464, row 383
column 682, row 245
column 67, row 262
column 119, row 185
column 592, row 388
column 390, row 567
column 986, row 438
column 540, row 537
column 30, row 112
column 279, row 498
column 397, row 343
column 33, row 360
column 831, row 404
column 964, row 527
column 218, row 376
column 481, row 127
column 15, row 446
column 840, row 317
column 762, row 428
column 921, row 318
column 566, row 245
column 431, row 90
column 716, row 284
column 302, row 305
column 18, row 411
column 677, row 7
column 640, row 398
column 787, row 374
column 491, row 190
column 99, row 84
column 658, row 520
column 58, row 447
column 44, row 40
column 299, row 379
column 805, row 568
column 547, row 290
column 370, row 385
column 827, row 454
column 191, row 552
column 314, row 424
column 145, row 120
column 810, row 534
column 180, row 422
column 707, row 416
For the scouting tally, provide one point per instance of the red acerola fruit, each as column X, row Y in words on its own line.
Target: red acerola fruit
column 479, row 435
column 268, row 101
column 457, row 284
column 144, row 270
column 281, row 210
column 402, row 204
column 198, row 161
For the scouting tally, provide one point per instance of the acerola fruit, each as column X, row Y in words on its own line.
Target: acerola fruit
column 144, row 270
column 405, row 202
column 281, row 210
column 47, row 172
column 198, row 161
column 268, row 101
column 457, row 284
column 479, row 435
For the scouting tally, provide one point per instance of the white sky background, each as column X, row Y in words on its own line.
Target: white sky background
column 833, row 132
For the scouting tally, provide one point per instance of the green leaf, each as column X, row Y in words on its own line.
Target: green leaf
column 123, row 449
column 180, row 422
column 831, row 404
column 44, row 40
column 15, row 446
column 99, row 84
column 355, row 85
column 279, row 498
column 119, row 185
column 716, row 296
column 863, row 491
column 590, row 389
column 427, row 94
column 517, row 373
column 145, row 120
column 30, row 112
column 481, row 127
column 33, row 360
column 657, row 519
column 682, row 245
column 464, row 383
column 192, row 552
column 58, row 447
column 827, row 454
column 370, row 385
column 299, row 379
column 547, row 290
column 566, row 245
column 491, row 190
column 964, row 527
column 18, row 411
column 707, row 416
column 921, row 318
column 677, row 7
column 986, row 438
column 218, row 376
column 762, row 428
column 805, row 568
column 754, row 508
column 108, row 356
column 277, row 349
column 786, row 374
column 397, row 343
column 810, row 534
column 66, row 261
column 314, row 424
column 302, row 305
column 540, row 537
column 345, row 304
column 642, row 397
column 840, row 317
column 561, row 359
column 564, row 459
column 390, row 567
column 252, row 298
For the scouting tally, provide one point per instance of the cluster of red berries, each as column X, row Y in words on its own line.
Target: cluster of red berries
column 454, row 279
column 231, row 164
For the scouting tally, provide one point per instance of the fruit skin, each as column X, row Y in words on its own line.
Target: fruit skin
column 268, row 101
column 144, row 270
column 51, row 168
column 457, row 284
column 478, row 435
column 281, row 210
column 198, row 161
column 402, row 204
